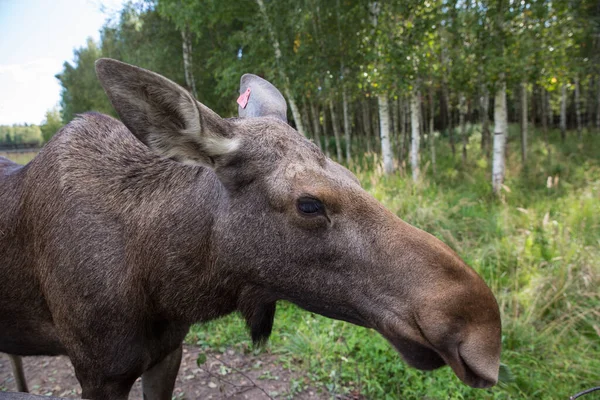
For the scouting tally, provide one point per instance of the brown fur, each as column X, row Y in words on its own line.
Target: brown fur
column 109, row 251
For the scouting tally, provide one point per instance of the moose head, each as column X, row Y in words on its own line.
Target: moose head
column 289, row 223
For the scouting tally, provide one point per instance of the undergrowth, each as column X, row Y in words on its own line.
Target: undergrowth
column 537, row 246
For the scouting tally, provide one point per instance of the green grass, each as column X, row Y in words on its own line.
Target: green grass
column 537, row 246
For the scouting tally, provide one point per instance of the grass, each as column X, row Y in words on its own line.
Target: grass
column 537, row 246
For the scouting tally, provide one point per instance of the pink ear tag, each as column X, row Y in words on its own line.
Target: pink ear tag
column 243, row 99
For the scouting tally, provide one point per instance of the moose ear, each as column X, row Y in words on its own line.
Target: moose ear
column 163, row 115
column 259, row 98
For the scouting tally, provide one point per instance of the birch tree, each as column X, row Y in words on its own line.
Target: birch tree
column 188, row 68
column 500, row 129
column 415, row 108
column 280, row 69
column 382, row 97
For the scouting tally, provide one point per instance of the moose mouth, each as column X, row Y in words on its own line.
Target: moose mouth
column 424, row 358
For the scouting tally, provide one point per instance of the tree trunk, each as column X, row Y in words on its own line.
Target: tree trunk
column 524, row 123
column 563, row 112
column 598, row 106
column 462, row 109
column 187, row 62
column 406, row 141
column 347, row 123
column 500, row 128
column 316, row 124
column 402, row 131
column 335, row 123
column 549, row 112
column 485, row 122
column 415, row 120
column 578, row 108
column 421, row 121
column 375, row 128
column 395, row 124
column 346, row 111
column 284, row 78
column 306, row 119
column 384, row 133
column 325, row 136
column 366, row 118
column 534, row 106
column 590, row 104
column 451, row 129
column 544, row 114
column 431, row 131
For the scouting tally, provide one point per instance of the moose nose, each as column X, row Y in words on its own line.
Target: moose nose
column 475, row 365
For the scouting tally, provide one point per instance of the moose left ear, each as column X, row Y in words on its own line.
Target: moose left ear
column 164, row 116
column 259, row 98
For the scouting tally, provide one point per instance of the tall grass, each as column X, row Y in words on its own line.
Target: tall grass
column 537, row 246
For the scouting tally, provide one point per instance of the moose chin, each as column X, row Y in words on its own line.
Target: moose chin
column 119, row 235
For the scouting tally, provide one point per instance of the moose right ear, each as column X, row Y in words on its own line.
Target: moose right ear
column 260, row 98
column 164, row 116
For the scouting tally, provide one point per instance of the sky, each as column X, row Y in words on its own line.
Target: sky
column 36, row 38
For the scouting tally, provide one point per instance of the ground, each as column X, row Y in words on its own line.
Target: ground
column 231, row 375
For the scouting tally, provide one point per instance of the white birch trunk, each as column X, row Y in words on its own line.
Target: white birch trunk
column 187, row 62
column 414, row 123
column 384, row 133
column 524, row 122
column 563, row 111
column 347, row 124
column 346, row 111
column 287, row 92
column 500, row 129
column 336, row 131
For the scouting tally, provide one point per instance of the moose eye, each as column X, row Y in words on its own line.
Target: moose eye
column 310, row 206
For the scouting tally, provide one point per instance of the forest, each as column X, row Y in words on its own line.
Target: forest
column 475, row 120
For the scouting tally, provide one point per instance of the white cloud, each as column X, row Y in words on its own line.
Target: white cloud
column 28, row 90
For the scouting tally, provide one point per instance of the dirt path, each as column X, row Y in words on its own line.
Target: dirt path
column 223, row 376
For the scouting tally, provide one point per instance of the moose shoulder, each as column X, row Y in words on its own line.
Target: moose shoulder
column 118, row 236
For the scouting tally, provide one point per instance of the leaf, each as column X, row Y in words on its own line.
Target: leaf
column 201, row 359
column 505, row 375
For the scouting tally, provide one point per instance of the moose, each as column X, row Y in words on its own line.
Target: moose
column 118, row 236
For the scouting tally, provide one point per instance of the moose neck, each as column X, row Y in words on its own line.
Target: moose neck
column 185, row 280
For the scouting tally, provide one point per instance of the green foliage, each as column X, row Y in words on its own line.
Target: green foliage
column 537, row 247
column 20, row 135
column 51, row 124
column 81, row 91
